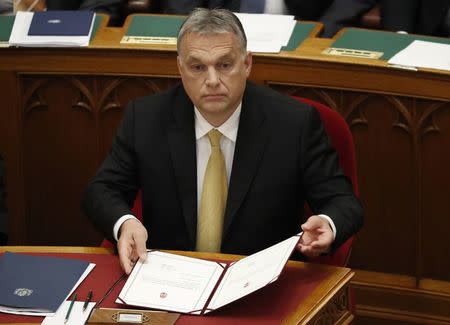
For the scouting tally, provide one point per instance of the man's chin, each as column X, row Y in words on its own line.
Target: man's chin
column 213, row 106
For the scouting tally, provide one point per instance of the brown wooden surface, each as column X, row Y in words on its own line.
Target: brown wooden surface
column 327, row 301
column 60, row 109
column 383, row 299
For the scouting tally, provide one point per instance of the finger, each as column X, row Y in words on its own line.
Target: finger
column 140, row 239
column 125, row 250
column 311, row 227
column 306, row 238
column 125, row 262
column 309, row 251
column 319, row 245
column 141, row 250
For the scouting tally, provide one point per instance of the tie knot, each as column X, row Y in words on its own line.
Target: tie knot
column 214, row 137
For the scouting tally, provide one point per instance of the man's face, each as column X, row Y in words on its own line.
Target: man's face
column 214, row 70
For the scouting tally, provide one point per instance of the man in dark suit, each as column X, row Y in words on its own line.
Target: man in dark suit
column 274, row 150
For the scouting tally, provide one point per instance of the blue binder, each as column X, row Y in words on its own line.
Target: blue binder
column 61, row 23
column 37, row 283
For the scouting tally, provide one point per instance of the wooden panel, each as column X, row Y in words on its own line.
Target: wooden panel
column 395, row 298
column 60, row 145
column 435, row 180
column 10, row 141
column 68, row 125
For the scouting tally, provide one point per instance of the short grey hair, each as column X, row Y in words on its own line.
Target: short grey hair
column 212, row 21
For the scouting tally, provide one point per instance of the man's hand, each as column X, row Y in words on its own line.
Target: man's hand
column 317, row 237
column 131, row 245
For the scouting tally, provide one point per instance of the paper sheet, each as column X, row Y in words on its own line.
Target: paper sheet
column 171, row 282
column 267, row 33
column 423, row 54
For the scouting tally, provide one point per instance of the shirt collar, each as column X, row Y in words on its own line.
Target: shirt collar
column 229, row 128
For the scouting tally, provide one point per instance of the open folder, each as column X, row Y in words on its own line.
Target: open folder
column 195, row 286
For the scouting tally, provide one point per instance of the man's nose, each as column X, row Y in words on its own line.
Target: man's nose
column 212, row 77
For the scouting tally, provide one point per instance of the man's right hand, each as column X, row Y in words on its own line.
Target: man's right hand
column 131, row 246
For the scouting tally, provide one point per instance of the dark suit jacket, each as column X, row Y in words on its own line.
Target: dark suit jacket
column 412, row 16
column 415, row 16
column 307, row 9
column 184, row 7
column 282, row 156
column 343, row 13
column 302, row 9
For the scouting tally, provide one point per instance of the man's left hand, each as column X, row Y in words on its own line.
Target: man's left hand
column 317, row 237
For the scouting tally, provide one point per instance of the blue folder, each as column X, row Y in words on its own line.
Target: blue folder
column 37, row 283
column 61, row 23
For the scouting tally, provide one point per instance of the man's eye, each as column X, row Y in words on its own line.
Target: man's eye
column 197, row 67
column 225, row 65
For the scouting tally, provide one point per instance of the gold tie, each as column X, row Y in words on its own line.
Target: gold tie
column 214, row 198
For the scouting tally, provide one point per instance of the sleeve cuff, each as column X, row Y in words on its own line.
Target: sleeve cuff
column 333, row 227
column 119, row 223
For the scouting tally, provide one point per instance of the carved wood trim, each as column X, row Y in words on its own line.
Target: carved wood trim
column 336, row 309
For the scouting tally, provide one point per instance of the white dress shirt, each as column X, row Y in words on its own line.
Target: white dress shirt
column 229, row 131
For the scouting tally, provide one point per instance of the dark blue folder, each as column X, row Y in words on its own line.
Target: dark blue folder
column 61, row 23
column 37, row 283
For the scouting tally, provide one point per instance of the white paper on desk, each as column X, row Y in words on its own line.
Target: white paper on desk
column 19, row 35
column 253, row 272
column 77, row 315
column 19, row 311
column 423, row 54
column 171, row 282
column 184, row 284
column 267, row 33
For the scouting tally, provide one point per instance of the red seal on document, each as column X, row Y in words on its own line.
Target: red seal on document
column 163, row 295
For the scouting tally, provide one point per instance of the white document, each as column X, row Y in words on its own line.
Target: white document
column 171, row 282
column 77, row 315
column 19, row 311
column 195, row 286
column 19, row 35
column 423, row 54
column 267, row 33
column 253, row 272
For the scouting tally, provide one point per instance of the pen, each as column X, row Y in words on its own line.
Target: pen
column 70, row 308
column 88, row 300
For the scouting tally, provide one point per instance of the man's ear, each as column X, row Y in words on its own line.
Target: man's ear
column 179, row 63
column 248, row 63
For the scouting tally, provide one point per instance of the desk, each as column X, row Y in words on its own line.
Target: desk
column 304, row 294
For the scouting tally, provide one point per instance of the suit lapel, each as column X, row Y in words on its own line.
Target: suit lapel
column 251, row 139
column 181, row 137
